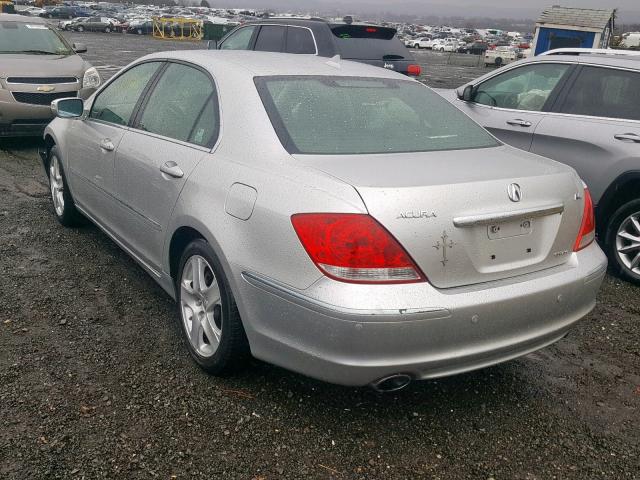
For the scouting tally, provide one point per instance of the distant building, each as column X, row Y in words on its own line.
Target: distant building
column 563, row 27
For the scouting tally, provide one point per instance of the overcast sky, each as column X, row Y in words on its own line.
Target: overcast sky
column 629, row 10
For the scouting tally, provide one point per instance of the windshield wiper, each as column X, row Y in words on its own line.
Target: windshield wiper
column 40, row 52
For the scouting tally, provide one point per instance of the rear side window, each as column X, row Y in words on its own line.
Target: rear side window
column 353, row 115
column 239, row 40
column 270, row 38
column 605, row 92
column 364, row 42
column 300, row 40
column 115, row 103
column 182, row 106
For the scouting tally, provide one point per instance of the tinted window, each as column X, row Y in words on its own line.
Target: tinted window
column 524, row 88
column 181, row 106
column 116, row 102
column 300, row 40
column 346, row 115
column 605, row 92
column 364, row 42
column 239, row 40
column 270, row 38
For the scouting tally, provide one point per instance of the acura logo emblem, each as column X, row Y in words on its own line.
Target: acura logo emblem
column 515, row 194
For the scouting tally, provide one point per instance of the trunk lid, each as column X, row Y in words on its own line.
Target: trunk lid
column 452, row 212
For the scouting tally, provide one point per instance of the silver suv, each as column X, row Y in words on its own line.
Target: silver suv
column 580, row 107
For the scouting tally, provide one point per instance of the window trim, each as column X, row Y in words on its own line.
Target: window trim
column 215, row 98
column 138, row 103
column 313, row 37
column 550, row 103
column 562, row 100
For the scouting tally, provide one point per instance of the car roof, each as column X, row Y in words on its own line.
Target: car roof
column 246, row 62
column 9, row 17
column 628, row 61
column 303, row 22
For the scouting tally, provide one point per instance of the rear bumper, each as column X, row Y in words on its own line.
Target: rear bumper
column 356, row 334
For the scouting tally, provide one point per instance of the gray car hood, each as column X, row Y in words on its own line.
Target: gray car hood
column 26, row 65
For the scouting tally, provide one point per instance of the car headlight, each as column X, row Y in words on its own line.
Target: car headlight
column 91, row 78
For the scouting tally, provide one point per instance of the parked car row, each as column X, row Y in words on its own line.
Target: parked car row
column 412, row 243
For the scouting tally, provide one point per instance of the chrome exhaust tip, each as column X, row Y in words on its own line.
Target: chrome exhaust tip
column 392, row 383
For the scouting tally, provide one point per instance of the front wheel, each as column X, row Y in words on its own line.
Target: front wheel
column 81, row 29
column 622, row 241
column 209, row 317
column 107, row 30
column 63, row 204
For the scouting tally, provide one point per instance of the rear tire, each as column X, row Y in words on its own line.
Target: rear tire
column 107, row 30
column 499, row 62
column 206, row 308
column 623, row 227
column 63, row 203
column 81, row 29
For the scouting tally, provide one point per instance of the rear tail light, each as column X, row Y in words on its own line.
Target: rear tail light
column 414, row 70
column 587, row 232
column 354, row 248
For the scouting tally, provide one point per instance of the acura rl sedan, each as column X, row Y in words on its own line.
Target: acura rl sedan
column 334, row 218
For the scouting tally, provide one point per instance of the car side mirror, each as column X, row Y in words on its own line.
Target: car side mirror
column 467, row 93
column 79, row 47
column 68, row 107
column 212, row 44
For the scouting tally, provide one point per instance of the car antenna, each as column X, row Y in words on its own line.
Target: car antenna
column 334, row 61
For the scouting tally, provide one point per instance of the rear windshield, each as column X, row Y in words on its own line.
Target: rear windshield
column 365, row 42
column 353, row 115
column 31, row 38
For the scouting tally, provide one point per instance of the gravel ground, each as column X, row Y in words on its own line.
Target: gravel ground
column 95, row 382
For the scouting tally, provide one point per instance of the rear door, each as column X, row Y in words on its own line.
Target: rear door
column 511, row 104
column 176, row 128
column 595, row 127
column 373, row 45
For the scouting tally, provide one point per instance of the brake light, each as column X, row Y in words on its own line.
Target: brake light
column 371, row 30
column 587, row 232
column 354, row 248
column 414, row 70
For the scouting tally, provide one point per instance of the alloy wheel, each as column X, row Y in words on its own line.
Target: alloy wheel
column 628, row 243
column 57, row 185
column 201, row 306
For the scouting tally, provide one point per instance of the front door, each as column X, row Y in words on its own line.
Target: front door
column 511, row 104
column 93, row 141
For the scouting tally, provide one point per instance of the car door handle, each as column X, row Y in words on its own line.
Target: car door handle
column 630, row 137
column 519, row 123
column 172, row 169
column 107, row 144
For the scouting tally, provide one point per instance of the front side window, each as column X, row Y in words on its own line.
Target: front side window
column 270, row 38
column 239, row 40
column 182, row 106
column 605, row 92
column 353, row 115
column 31, row 38
column 525, row 88
column 116, row 102
column 300, row 41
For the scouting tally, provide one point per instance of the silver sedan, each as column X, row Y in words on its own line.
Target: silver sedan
column 333, row 218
